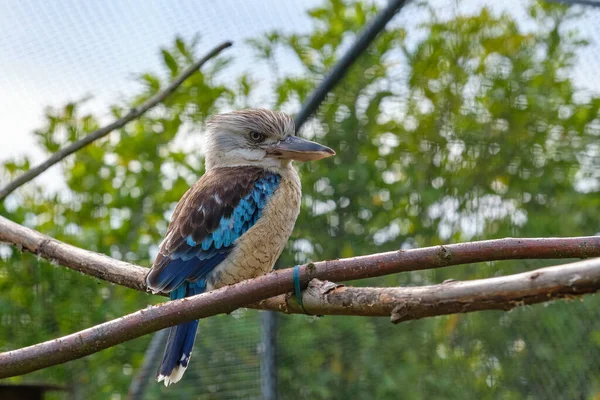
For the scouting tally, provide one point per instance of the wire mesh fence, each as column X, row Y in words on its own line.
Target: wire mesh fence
column 538, row 352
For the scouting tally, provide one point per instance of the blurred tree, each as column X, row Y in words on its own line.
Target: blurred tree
column 473, row 132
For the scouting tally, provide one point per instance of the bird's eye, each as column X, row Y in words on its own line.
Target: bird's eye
column 256, row 136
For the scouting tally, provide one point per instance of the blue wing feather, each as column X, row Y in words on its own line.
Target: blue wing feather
column 192, row 261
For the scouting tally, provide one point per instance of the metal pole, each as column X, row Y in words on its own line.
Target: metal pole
column 268, row 365
column 151, row 358
column 339, row 70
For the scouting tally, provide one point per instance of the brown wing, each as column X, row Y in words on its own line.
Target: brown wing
column 185, row 253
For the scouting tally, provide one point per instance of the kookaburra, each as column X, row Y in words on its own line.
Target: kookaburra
column 234, row 222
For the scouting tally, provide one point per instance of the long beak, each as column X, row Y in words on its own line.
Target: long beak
column 295, row 148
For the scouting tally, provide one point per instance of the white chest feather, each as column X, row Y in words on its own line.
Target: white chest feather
column 257, row 250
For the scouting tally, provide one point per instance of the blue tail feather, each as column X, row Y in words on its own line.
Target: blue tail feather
column 181, row 339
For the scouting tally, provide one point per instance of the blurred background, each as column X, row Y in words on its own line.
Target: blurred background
column 465, row 120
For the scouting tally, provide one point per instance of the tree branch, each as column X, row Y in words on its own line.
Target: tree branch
column 133, row 276
column 134, row 113
column 85, row 261
column 403, row 304
column 451, row 297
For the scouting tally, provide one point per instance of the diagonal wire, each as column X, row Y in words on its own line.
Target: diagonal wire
column 138, row 385
column 590, row 3
column 342, row 66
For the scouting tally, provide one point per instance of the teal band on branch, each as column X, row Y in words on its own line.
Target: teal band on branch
column 297, row 289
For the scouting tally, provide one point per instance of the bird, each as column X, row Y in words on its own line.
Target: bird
column 235, row 221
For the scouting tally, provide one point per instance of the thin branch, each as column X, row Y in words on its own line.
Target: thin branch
column 403, row 304
column 134, row 113
column 346, row 269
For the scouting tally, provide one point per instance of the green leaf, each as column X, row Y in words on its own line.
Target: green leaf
column 170, row 62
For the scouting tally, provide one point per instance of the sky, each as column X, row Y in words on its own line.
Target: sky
column 63, row 50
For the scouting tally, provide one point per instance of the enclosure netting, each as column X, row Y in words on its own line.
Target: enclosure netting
column 63, row 50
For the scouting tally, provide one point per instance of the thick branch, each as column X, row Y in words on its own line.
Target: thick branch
column 577, row 278
column 501, row 293
column 133, row 276
column 142, row 322
column 130, row 116
column 451, row 297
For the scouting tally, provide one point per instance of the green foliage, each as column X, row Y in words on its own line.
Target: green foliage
column 473, row 132
column 483, row 139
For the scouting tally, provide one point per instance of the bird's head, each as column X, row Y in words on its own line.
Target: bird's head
column 257, row 137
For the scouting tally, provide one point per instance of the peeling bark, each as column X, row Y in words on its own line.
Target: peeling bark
column 451, row 297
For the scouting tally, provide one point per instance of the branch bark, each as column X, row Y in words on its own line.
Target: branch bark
column 130, row 116
column 451, row 297
column 133, row 276
column 403, row 304
column 85, row 261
